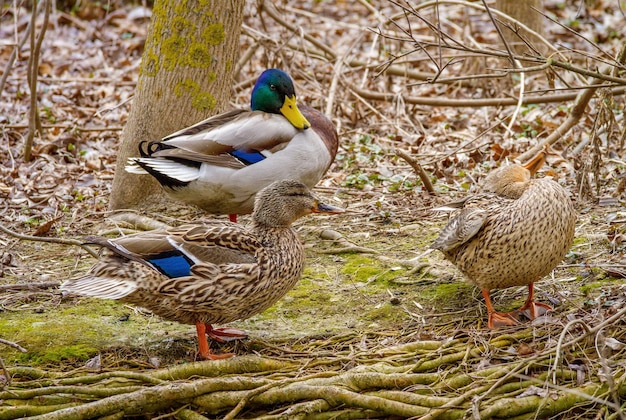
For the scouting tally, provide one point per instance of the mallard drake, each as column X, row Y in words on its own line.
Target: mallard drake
column 219, row 164
column 513, row 233
column 214, row 272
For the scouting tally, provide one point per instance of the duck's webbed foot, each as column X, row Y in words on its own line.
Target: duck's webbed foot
column 501, row 319
column 497, row 319
column 223, row 335
column 532, row 309
column 203, row 346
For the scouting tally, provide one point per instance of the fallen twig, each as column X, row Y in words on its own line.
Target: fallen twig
column 14, row 345
column 63, row 241
column 418, row 170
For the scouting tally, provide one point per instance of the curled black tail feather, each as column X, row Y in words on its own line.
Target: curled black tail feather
column 148, row 148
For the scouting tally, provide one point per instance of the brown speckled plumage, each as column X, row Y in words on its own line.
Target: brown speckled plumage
column 236, row 272
column 513, row 233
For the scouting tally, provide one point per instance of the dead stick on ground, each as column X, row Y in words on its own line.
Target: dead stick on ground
column 28, row 286
column 418, row 169
column 50, row 240
column 14, row 345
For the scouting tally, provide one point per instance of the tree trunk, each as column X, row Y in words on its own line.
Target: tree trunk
column 185, row 76
column 524, row 12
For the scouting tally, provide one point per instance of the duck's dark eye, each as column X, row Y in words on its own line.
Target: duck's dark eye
column 273, row 87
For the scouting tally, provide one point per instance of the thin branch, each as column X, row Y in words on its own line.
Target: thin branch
column 582, row 100
column 418, row 170
column 512, row 60
column 64, row 127
column 28, row 286
column 33, row 70
column 62, row 241
column 16, row 49
column 474, row 102
column 14, row 345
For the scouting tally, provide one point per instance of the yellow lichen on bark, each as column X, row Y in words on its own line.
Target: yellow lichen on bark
column 185, row 41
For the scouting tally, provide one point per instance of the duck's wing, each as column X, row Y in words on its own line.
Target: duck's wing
column 233, row 264
column 173, row 252
column 242, row 137
column 235, row 130
column 211, row 285
column 118, row 273
column 233, row 140
column 223, row 243
column 473, row 214
column 460, row 228
column 147, row 259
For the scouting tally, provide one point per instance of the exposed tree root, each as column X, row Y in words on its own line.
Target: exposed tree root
column 478, row 374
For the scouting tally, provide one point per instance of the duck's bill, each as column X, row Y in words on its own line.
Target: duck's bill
column 327, row 208
column 292, row 113
column 534, row 164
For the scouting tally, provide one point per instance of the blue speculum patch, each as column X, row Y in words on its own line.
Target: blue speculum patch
column 247, row 158
column 173, row 264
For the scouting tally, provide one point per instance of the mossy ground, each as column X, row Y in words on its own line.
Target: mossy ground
column 339, row 293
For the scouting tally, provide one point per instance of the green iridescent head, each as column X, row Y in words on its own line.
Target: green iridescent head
column 274, row 92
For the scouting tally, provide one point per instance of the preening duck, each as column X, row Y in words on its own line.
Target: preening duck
column 220, row 164
column 513, row 233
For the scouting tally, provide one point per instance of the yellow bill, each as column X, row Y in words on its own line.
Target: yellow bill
column 292, row 113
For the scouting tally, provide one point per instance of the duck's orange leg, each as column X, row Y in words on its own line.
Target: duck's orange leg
column 532, row 309
column 203, row 344
column 222, row 335
column 496, row 319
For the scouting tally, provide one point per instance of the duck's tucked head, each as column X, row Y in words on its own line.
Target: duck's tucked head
column 512, row 180
column 274, row 92
column 283, row 202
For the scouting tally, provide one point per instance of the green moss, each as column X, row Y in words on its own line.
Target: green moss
column 365, row 269
column 176, row 41
column 204, row 101
column 445, row 293
column 592, row 287
column 186, row 86
column 179, row 24
column 77, row 332
column 69, row 353
column 205, row 7
column 386, row 312
column 181, row 8
column 74, row 333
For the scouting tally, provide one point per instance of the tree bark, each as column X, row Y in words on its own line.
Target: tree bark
column 523, row 11
column 185, row 76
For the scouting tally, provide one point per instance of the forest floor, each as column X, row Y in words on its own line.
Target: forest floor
column 371, row 330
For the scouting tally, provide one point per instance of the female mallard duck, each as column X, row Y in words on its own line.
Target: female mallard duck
column 215, row 272
column 512, row 234
column 220, row 163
